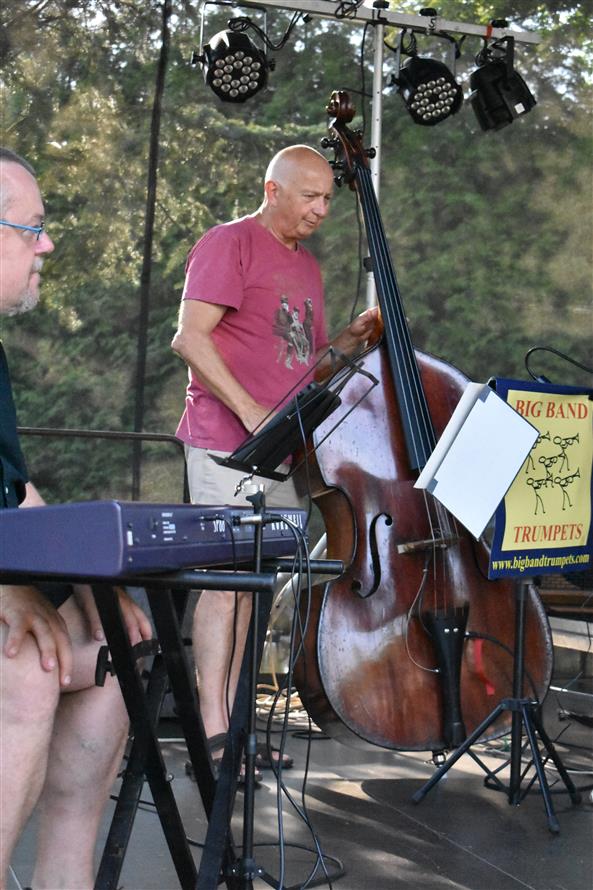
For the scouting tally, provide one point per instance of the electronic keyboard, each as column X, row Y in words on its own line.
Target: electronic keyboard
column 113, row 538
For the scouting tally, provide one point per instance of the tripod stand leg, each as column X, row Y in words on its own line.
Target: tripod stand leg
column 514, row 788
column 459, row 752
column 553, row 824
column 554, row 756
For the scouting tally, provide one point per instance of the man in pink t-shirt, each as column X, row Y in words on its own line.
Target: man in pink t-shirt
column 251, row 328
column 263, row 290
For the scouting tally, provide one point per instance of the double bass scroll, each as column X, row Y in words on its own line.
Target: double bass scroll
column 411, row 646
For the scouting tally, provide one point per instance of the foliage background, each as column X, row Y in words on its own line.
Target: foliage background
column 490, row 232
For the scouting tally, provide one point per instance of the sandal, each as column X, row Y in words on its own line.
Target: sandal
column 215, row 744
column 262, row 757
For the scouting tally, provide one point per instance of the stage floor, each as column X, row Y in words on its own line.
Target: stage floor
column 462, row 835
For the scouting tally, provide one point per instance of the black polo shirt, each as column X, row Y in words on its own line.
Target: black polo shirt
column 13, row 469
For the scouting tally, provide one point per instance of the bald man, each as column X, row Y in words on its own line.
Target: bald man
column 62, row 738
column 250, row 284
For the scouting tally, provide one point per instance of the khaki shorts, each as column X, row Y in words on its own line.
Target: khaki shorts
column 209, row 483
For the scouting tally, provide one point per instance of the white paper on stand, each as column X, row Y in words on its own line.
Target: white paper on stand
column 477, row 457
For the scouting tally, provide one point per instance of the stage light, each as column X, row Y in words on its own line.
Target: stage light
column 234, row 68
column 428, row 88
column 499, row 93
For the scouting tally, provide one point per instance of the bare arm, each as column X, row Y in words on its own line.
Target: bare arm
column 193, row 343
column 353, row 338
column 32, row 497
column 137, row 624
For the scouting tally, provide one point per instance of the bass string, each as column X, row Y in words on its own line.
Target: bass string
column 414, row 409
column 413, row 404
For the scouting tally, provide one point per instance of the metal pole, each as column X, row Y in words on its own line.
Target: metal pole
column 376, row 115
column 364, row 14
column 145, row 274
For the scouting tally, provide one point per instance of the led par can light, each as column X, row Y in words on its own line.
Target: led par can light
column 429, row 90
column 234, row 68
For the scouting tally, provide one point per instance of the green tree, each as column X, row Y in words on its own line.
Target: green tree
column 490, row 232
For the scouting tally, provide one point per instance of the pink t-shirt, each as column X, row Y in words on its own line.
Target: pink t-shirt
column 268, row 337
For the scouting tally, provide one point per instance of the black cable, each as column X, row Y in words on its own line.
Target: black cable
column 406, row 48
column 541, row 378
column 242, row 23
column 347, row 8
column 474, row 635
column 277, row 767
column 303, row 810
column 300, row 557
column 287, row 684
column 149, row 806
column 338, row 862
column 293, row 846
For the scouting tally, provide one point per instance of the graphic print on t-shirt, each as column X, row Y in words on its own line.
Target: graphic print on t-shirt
column 295, row 335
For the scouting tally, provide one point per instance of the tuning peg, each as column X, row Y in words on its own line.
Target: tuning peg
column 326, row 142
column 371, row 153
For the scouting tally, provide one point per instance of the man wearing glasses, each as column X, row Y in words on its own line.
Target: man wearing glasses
column 24, row 244
column 62, row 737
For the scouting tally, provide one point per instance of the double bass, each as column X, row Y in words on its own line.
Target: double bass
column 412, row 647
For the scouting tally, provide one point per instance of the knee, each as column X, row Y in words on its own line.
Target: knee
column 222, row 602
column 28, row 693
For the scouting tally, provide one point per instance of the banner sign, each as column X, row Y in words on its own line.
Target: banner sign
column 543, row 525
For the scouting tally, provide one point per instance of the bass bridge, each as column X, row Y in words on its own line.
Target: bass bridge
column 440, row 543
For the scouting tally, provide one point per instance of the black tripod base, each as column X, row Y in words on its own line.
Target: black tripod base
column 525, row 715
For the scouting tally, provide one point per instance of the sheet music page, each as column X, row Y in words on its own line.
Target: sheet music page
column 464, row 406
column 477, row 457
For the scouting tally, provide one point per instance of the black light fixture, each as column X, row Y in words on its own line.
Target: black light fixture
column 428, row 87
column 234, row 68
column 499, row 93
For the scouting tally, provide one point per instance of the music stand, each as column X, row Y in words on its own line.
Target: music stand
column 525, row 713
column 500, row 432
column 289, row 426
column 261, row 453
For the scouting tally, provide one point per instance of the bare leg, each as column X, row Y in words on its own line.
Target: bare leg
column 214, row 616
column 28, row 697
column 87, row 745
column 213, row 623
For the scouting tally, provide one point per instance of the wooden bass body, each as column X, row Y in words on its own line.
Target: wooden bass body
column 367, row 671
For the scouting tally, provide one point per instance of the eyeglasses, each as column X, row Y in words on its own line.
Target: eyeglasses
column 37, row 229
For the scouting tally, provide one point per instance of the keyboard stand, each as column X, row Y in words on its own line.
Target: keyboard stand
column 132, row 783
column 146, row 757
column 167, row 596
